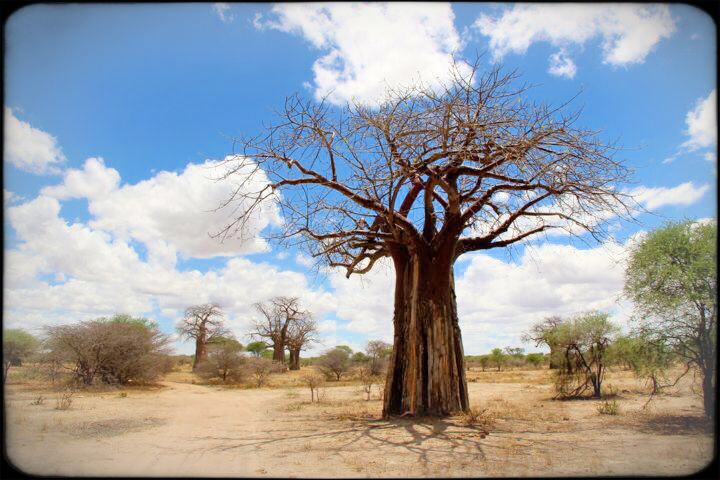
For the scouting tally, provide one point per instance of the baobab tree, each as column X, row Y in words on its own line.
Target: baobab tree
column 205, row 324
column 300, row 333
column 428, row 175
column 277, row 315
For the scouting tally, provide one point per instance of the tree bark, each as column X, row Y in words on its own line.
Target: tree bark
column 279, row 350
column 294, row 359
column 709, row 392
column 425, row 374
column 200, row 351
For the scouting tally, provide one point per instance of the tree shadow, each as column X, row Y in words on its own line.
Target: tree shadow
column 422, row 437
column 665, row 424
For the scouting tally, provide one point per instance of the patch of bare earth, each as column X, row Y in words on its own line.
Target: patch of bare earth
column 195, row 430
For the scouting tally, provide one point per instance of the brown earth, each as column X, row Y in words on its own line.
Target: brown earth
column 183, row 429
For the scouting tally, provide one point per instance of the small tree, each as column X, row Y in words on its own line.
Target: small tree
column 224, row 361
column 314, row 381
column 18, row 345
column 515, row 356
column 379, row 353
column 535, row 359
column 368, row 379
column 261, row 368
column 335, row 362
column 497, row 358
column 256, row 348
column 581, row 347
column 672, row 280
column 646, row 357
column 484, row 361
column 545, row 333
column 205, row 324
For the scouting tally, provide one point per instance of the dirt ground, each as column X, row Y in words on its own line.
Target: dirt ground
column 184, row 429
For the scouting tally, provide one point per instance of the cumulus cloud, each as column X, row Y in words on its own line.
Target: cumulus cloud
column 628, row 32
column 12, row 197
column 655, row 197
column 222, row 10
column 368, row 47
column 93, row 273
column 29, row 148
column 702, row 123
column 561, row 65
column 94, row 181
column 170, row 212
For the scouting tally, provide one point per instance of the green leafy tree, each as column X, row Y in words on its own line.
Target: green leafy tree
column 580, row 350
column 497, row 358
column 335, row 362
column 18, row 345
column 256, row 348
column 672, row 280
column 360, row 357
column 535, row 359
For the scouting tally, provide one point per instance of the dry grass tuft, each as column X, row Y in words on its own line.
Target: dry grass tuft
column 478, row 417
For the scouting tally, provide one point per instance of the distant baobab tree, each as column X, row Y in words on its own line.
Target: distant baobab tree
column 278, row 314
column 204, row 323
column 430, row 174
column 300, row 333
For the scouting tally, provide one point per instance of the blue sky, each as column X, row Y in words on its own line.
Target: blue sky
column 112, row 113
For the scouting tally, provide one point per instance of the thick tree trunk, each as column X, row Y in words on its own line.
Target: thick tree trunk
column 200, row 351
column 709, row 392
column 425, row 374
column 279, row 352
column 294, row 359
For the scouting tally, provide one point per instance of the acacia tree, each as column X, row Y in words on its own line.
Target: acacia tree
column 18, row 345
column 428, row 175
column 545, row 333
column 672, row 280
column 205, row 324
column 582, row 347
column 277, row 315
column 300, row 333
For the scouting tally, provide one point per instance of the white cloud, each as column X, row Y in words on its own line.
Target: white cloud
column 29, row 148
column 170, row 212
column 222, row 11
column 628, row 31
column 12, row 197
column 655, row 197
column 561, row 65
column 370, row 46
column 710, row 156
column 702, row 123
column 97, row 274
column 304, row 260
column 94, row 181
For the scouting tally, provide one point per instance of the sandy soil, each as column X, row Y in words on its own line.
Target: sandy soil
column 194, row 430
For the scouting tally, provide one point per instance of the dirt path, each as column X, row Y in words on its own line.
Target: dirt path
column 192, row 430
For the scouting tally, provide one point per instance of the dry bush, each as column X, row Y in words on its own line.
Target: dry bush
column 313, row 381
column 64, row 400
column 119, row 350
column 478, row 417
column 368, row 378
column 608, row 408
column 261, row 368
column 38, row 401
